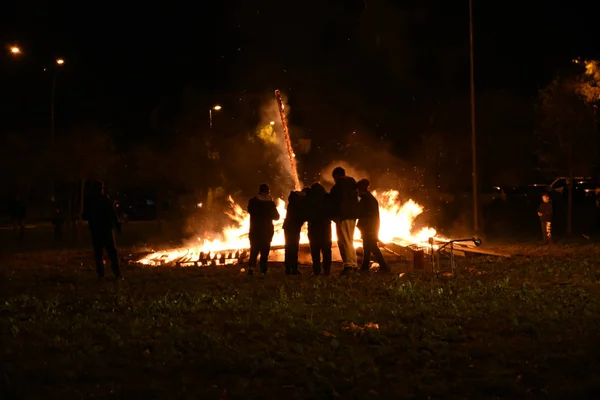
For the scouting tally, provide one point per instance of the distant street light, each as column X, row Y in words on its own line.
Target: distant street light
column 216, row 108
column 15, row 50
column 60, row 61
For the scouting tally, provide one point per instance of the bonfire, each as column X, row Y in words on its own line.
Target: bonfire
column 397, row 226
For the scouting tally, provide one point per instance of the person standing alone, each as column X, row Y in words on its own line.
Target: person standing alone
column 344, row 201
column 262, row 212
column 100, row 213
column 545, row 214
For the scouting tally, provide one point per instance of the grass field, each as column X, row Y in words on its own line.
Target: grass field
column 524, row 327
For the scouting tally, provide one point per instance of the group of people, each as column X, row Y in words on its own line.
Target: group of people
column 347, row 202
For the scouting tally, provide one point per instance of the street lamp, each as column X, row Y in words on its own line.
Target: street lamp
column 216, row 108
column 15, row 50
column 476, row 214
column 211, row 154
column 59, row 62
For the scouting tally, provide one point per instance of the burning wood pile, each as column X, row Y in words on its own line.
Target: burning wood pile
column 397, row 232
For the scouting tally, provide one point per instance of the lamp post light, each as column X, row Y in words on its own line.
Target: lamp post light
column 15, row 50
column 216, row 108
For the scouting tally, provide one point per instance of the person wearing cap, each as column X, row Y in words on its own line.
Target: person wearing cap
column 344, row 207
column 368, row 225
column 262, row 212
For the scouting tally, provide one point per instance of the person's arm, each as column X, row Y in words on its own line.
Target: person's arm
column 114, row 216
column 335, row 195
column 363, row 208
column 274, row 213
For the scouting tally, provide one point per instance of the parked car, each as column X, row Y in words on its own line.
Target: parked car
column 560, row 183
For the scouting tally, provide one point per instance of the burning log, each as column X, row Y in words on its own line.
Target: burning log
column 288, row 142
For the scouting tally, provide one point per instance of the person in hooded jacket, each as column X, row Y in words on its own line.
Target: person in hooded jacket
column 262, row 212
column 368, row 225
column 319, row 228
column 344, row 207
column 100, row 213
column 292, row 226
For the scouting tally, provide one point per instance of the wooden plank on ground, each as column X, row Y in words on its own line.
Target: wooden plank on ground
column 479, row 250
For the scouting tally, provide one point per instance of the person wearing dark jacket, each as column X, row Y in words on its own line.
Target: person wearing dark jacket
column 262, row 212
column 368, row 225
column 344, row 207
column 545, row 214
column 292, row 226
column 319, row 228
column 100, row 213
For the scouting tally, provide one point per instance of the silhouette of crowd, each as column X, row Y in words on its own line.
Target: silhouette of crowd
column 347, row 202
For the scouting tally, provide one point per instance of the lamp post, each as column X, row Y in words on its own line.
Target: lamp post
column 473, row 130
column 210, row 194
column 216, row 108
column 59, row 62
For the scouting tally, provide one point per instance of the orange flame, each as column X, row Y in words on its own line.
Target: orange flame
column 397, row 226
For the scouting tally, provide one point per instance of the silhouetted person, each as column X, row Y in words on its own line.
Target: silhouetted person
column 368, row 224
column 262, row 212
column 17, row 212
column 100, row 213
column 545, row 214
column 58, row 220
column 319, row 228
column 295, row 217
column 344, row 200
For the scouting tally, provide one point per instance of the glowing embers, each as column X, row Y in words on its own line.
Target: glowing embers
column 207, row 259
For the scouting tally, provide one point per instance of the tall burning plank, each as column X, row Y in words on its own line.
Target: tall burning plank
column 288, row 142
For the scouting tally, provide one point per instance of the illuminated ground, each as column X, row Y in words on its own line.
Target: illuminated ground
column 509, row 328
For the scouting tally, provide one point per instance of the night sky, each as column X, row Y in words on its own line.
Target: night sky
column 123, row 61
